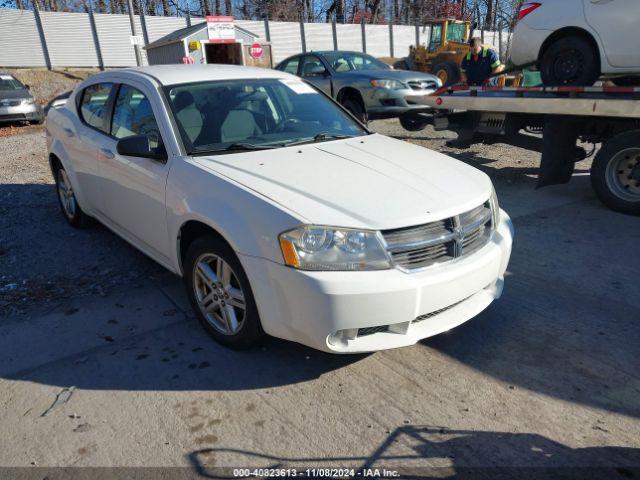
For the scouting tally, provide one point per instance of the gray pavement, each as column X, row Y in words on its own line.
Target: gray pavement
column 547, row 376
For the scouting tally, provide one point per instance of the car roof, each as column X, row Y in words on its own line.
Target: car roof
column 179, row 73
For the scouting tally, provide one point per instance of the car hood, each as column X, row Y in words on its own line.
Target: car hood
column 22, row 93
column 400, row 75
column 371, row 182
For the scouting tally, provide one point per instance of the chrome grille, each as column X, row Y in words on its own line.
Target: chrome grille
column 422, row 246
column 422, row 85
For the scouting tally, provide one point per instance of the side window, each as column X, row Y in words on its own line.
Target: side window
column 132, row 115
column 291, row 66
column 93, row 106
column 312, row 66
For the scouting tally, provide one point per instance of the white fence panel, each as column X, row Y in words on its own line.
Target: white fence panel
column 403, row 36
column 254, row 26
column 378, row 40
column 69, row 39
column 319, row 36
column 285, row 39
column 350, row 37
column 114, row 32
column 19, row 41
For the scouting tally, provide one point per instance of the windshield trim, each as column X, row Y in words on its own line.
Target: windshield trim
column 191, row 151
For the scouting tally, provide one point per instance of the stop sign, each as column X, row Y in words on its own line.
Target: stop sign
column 256, row 50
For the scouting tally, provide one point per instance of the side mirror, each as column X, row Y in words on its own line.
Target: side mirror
column 139, row 146
column 26, row 86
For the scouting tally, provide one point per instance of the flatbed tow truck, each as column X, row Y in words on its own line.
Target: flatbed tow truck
column 517, row 115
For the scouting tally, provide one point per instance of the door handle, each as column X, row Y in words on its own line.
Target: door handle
column 68, row 132
column 107, row 153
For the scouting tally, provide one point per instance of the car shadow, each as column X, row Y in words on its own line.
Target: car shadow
column 419, row 452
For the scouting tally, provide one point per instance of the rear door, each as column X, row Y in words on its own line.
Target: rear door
column 313, row 71
column 134, row 188
column 82, row 139
column 616, row 23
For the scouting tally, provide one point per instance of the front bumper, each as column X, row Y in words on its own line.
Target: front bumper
column 21, row 113
column 327, row 310
column 385, row 103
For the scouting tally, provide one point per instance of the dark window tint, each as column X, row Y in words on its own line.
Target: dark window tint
column 93, row 108
column 291, row 66
column 133, row 115
column 311, row 66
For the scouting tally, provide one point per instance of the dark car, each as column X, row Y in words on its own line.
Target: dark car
column 368, row 88
column 16, row 102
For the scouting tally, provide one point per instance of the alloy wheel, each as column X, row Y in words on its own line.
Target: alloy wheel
column 623, row 174
column 219, row 294
column 67, row 197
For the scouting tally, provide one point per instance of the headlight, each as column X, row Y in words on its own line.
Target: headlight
column 390, row 84
column 313, row 247
column 495, row 208
column 28, row 101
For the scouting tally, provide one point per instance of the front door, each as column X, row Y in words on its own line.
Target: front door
column 616, row 23
column 313, row 71
column 134, row 188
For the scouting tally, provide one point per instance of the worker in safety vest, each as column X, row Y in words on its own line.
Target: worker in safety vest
column 479, row 63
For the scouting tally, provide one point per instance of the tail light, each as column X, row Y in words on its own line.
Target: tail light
column 527, row 8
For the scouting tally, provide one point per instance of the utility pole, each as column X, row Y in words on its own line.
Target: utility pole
column 136, row 47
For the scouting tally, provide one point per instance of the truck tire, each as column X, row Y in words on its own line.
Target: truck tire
column 615, row 173
column 570, row 61
column 447, row 72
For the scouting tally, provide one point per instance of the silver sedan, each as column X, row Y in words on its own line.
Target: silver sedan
column 368, row 88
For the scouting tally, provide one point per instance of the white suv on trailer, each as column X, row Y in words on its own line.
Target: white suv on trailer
column 282, row 213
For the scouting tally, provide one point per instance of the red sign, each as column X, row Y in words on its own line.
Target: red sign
column 256, row 50
column 218, row 18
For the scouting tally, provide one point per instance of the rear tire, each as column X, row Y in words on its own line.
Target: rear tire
column 615, row 173
column 68, row 201
column 570, row 61
column 447, row 72
column 220, row 294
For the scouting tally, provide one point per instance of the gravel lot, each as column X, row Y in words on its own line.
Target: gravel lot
column 543, row 378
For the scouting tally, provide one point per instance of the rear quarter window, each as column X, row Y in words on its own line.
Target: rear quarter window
column 93, row 105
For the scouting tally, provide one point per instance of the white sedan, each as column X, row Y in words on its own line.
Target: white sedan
column 282, row 213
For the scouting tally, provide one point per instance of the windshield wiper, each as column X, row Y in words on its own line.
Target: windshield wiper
column 235, row 147
column 321, row 137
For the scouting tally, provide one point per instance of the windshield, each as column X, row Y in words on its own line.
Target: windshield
column 252, row 114
column 7, row 82
column 455, row 32
column 348, row 61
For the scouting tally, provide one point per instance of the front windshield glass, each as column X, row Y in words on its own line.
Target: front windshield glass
column 236, row 115
column 348, row 61
column 7, row 82
column 455, row 32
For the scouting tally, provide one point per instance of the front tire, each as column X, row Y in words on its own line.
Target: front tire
column 615, row 173
column 356, row 108
column 220, row 294
column 570, row 61
column 411, row 123
column 68, row 201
